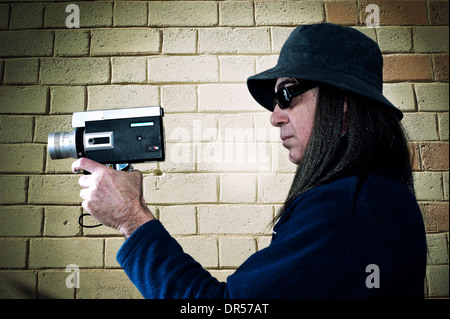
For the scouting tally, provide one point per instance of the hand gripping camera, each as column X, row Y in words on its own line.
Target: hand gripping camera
column 115, row 137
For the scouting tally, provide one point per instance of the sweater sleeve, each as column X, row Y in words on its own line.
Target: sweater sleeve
column 308, row 258
column 159, row 268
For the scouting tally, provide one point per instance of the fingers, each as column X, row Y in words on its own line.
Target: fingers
column 87, row 165
column 85, row 194
column 85, row 181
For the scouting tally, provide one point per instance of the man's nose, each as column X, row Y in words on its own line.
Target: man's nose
column 278, row 117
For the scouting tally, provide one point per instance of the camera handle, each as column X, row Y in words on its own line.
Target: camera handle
column 118, row 167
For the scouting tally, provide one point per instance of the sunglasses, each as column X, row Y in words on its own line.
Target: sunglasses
column 284, row 96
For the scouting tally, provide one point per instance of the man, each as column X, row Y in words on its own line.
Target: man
column 350, row 226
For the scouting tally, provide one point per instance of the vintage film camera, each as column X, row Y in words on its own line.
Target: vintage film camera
column 115, row 137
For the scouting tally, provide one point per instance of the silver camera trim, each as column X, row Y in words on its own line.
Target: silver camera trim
column 90, row 146
column 80, row 118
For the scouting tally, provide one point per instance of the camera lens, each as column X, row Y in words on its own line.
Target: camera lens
column 62, row 145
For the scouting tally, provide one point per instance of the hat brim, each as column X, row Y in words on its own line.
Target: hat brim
column 262, row 85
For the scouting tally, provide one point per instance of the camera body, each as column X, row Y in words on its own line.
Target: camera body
column 131, row 135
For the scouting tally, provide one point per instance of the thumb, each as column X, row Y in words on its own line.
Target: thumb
column 87, row 165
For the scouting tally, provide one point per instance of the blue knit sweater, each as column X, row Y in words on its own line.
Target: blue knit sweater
column 326, row 245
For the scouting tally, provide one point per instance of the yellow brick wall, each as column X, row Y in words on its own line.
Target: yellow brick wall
column 226, row 173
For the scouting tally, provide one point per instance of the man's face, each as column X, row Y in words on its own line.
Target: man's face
column 295, row 122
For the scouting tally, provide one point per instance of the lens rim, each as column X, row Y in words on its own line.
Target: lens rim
column 62, row 145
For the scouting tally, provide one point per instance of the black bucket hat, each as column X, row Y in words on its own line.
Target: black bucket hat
column 328, row 53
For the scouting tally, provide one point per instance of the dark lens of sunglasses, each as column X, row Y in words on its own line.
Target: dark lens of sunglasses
column 282, row 99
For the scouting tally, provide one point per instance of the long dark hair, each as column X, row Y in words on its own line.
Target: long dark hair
column 374, row 143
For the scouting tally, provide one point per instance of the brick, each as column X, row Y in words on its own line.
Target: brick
column 226, row 98
column 233, row 157
column 179, row 220
column 279, row 35
column 16, row 129
column 181, row 188
column 54, row 189
column 21, row 71
column 112, row 246
column 130, row 14
column 12, row 280
column 98, row 231
column 203, row 250
column 75, row 71
column 124, row 41
column 26, row 43
column 234, row 40
column 62, row 221
column 398, row 12
column 72, row 42
column 236, row 13
column 280, row 160
column 435, row 156
column 236, row 128
column 13, row 189
column 264, row 131
column 443, row 126
column 435, row 216
column 445, row 182
column 263, row 242
column 183, row 69
column 406, row 68
column 122, row 96
column 414, row 156
column 222, row 274
column 180, row 158
column 288, row 12
column 395, row 39
column 179, row 98
column 129, row 70
column 238, row 188
column 20, row 221
column 22, row 158
column 23, row 99
column 27, row 16
column 401, row 95
column 368, row 32
column 4, row 16
column 95, row 14
column 431, row 39
column 50, row 124
column 437, row 279
column 432, row 96
column 428, row 186
column 106, row 284
column 52, row 285
column 342, row 12
column 273, row 188
column 2, row 70
column 67, row 99
column 179, row 41
column 61, row 252
column 235, row 219
column 441, row 68
column 234, row 251
column 437, row 249
column 13, row 253
column 236, row 68
column 191, row 127
column 420, row 126
column 439, row 12
column 182, row 13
